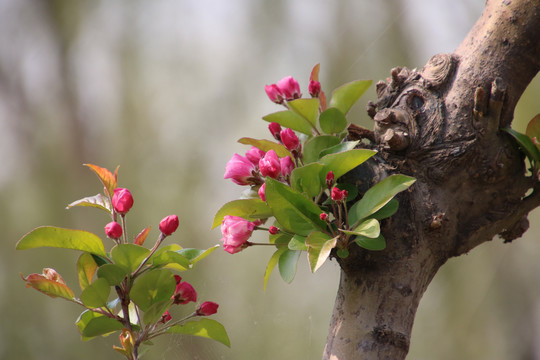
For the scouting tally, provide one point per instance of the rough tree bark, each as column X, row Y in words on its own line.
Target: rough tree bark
column 440, row 124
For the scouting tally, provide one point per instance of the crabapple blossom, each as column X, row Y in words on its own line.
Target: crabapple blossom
column 122, row 200
column 236, row 232
column 289, row 139
column 269, row 165
column 113, row 230
column 239, row 169
column 289, row 87
column 168, row 225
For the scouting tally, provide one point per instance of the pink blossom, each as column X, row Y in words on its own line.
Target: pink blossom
column 254, row 155
column 289, row 87
column 275, row 130
column 239, row 169
column 184, row 292
column 261, row 192
column 287, row 165
column 323, row 216
column 166, row 317
column 270, row 165
column 274, row 93
column 338, row 195
column 314, row 88
column 236, row 232
column 289, row 139
column 113, row 230
column 122, row 200
column 169, row 224
column 330, row 179
column 207, row 308
column 273, row 230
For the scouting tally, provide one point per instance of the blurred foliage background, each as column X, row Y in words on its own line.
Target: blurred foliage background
column 165, row 88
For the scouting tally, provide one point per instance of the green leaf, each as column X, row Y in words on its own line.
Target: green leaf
column 86, row 268
column 307, row 108
column 99, row 201
column 114, row 274
column 369, row 228
column 290, row 119
column 288, row 262
column 272, row 264
column 266, row 145
column 51, row 287
column 298, row 243
column 345, row 96
column 341, row 147
column 207, row 328
column 171, row 259
column 196, row 255
column 319, row 247
column 533, row 129
column 294, row 212
column 91, row 324
column 50, row 236
column 332, row 121
column 343, row 162
column 526, row 144
column 306, row 179
column 374, row 244
column 387, row 210
column 249, row 209
column 96, row 294
column 129, row 256
column 378, row 196
column 153, row 287
column 314, row 146
column 156, row 311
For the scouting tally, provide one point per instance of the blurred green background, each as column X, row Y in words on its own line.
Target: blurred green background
column 164, row 89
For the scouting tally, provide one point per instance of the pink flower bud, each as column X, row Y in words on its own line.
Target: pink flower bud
column 289, row 88
column 166, row 317
column 113, row 230
column 261, row 192
column 254, row 155
column 275, row 130
column 289, row 139
column 236, row 231
column 270, row 165
column 323, row 216
column 273, row 230
column 122, row 200
column 287, row 165
column 207, row 308
column 338, row 195
column 314, row 88
column 184, row 292
column 329, row 179
column 274, row 93
column 239, row 170
column 169, row 225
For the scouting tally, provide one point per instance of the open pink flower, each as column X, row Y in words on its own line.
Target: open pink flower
column 122, row 200
column 236, row 232
column 239, row 169
column 289, row 87
column 270, row 165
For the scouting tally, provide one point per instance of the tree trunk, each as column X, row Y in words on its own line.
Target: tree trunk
column 441, row 125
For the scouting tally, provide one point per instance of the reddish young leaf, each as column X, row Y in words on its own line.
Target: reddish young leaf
column 139, row 239
column 106, row 177
column 315, row 73
column 50, row 283
column 533, row 129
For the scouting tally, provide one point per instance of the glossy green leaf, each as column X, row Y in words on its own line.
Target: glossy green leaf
column 345, row 96
column 51, row 287
column 298, row 243
column 154, row 313
column 129, row 256
column 341, row 147
column 96, row 294
column 153, row 287
column 99, row 201
column 387, row 210
column 295, row 212
column 266, row 145
column 288, row 262
column 378, row 196
column 369, row 228
column 319, row 247
column 196, row 255
column 526, row 144
column 307, row 179
column 50, row 236
column 374, row 244
column 307, row 108
column 250, row 209
column 332, row 121
column 86, row 268
column 114, row 274
column 314, row 146
column 171, row 259
column 533, row 130
column 272, row 264
column 290, row 119
column 343, row 162
column 207, row 328
column 91, row 324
